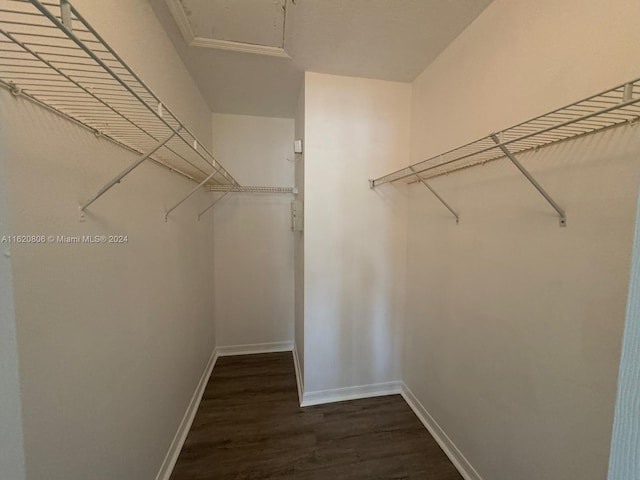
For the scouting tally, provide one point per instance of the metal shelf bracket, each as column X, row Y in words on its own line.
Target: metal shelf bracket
column 126, row 172
column 194, row 190
column 533, row 181
column 212, row 204
column 424, row 182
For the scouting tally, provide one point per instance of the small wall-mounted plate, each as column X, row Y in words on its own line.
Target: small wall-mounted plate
column 297, row 216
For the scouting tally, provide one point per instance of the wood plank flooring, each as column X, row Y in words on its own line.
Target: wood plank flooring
column 250, row 427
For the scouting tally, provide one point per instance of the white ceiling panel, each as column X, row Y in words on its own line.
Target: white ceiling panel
column 259, row 22
column 248, row 56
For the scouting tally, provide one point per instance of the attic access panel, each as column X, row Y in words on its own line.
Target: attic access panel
column 259, row 22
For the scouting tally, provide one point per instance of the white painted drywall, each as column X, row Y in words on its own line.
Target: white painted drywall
column 112, row 339
column 624, row 462
column 514, row 325
column 355, row 237
column 520, row 59
column 11, row 438
column 254, row 290
column 298, row 240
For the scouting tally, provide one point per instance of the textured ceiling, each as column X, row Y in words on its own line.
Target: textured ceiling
column 252, row 21
column 383, row 39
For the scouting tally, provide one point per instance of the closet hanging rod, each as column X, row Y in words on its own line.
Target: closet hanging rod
column 610, row 108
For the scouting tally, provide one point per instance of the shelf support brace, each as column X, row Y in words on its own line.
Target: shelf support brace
column 195, row 189
column 424, row 182
column 126, row 172
column 212, row 204
column 533, row 181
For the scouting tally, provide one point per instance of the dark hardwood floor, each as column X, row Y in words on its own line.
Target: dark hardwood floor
column 250, row 427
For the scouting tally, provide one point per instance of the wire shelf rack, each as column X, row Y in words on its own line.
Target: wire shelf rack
column 50, row 54
column 252, row 189
column 613, row 107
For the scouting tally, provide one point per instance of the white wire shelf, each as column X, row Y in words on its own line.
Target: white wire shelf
column 227, row 189
column 51, row 55
column 252, row 189
column 616, row 106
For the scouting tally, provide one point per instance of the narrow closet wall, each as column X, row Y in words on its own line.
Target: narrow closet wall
column 112, row 338
column 253, row 241
column 514, row 325
column 299, row 245
column 355, row 238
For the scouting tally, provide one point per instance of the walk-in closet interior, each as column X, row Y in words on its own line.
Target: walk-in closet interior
column 319, row 239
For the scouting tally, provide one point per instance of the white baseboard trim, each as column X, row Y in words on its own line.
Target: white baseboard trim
column 299, row 381
column 185, row 425
column 455, row 455
column 350, row 393
column 226, row 351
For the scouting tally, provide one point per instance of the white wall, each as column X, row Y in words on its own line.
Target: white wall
column 11, row 439
column 355, row 237
column 520, row 59
column 112, row 339
column 625, row 442
column 514, row 325
column 299, row 236
column 254, row 290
